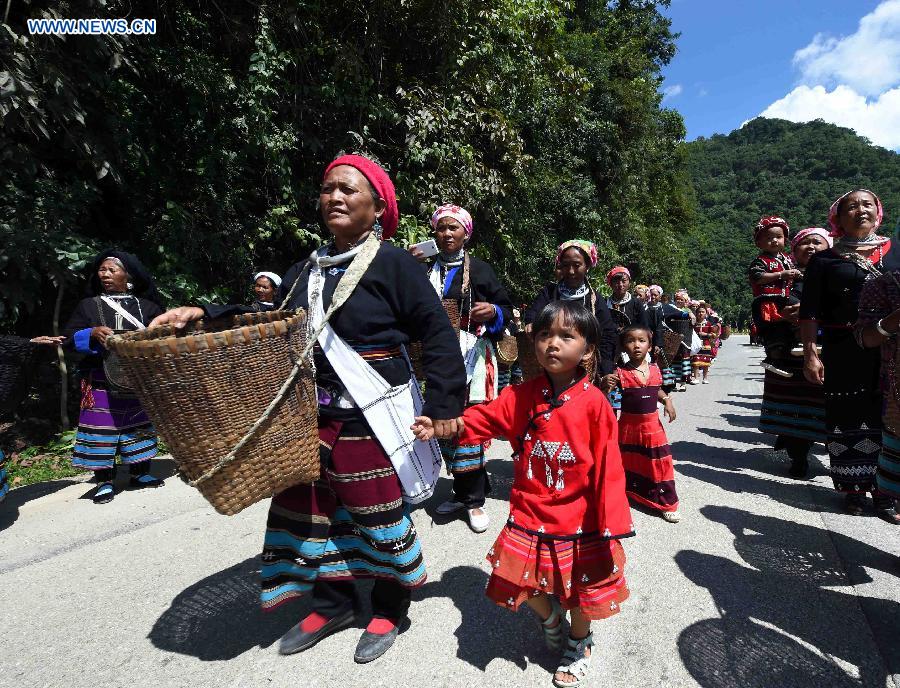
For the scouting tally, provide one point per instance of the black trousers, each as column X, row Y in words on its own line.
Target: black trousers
column 390, row 600
column 471, row 488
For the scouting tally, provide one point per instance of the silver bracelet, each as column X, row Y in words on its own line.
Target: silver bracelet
column 883, row 332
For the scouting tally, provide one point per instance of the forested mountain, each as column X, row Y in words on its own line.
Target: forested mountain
column 201, row 148
column 773, row 167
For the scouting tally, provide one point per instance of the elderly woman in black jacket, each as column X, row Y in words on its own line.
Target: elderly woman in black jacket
column 353, row 523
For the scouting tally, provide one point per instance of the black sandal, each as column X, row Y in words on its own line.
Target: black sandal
column 146, row 480
column 886, row 510
column 104, row 493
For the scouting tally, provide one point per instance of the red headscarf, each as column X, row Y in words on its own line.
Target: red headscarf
column 618, row 270
column 382, row 184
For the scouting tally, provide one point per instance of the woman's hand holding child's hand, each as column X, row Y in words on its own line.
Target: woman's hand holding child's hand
column 425, row 428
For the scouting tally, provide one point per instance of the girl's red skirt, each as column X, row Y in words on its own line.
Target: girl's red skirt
column 587, row 573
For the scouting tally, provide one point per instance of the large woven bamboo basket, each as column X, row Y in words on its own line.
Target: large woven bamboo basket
column 15, row 357
column 204, row 389
column 415, row 348
column 529, row 363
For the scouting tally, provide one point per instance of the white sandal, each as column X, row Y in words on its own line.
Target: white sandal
column 554, row 625
column 574, row 662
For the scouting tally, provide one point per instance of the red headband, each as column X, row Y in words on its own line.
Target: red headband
column 382, row 184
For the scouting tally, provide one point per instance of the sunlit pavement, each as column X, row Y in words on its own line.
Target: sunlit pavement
column 764, row 583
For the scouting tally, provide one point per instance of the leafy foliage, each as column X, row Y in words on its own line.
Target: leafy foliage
column 201, row 148
column 773, row 167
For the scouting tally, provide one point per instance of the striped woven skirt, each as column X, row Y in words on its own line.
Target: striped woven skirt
column 350, row 524
column 462, row 458
column 4, row 477
column 647, row 458
column 110, row 424
column 703, row 358
column 888, row 477
column 792, row 407
column 587, row 572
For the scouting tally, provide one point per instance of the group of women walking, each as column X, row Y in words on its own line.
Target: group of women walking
column 559, row 551
column 835, row 381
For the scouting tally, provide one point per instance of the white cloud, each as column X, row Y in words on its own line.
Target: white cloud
column 878, row 119
column 672, row 91
column 852, row 81
column 867, row 60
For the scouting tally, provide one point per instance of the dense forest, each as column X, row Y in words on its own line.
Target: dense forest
column 201, row 148
column 772, row 167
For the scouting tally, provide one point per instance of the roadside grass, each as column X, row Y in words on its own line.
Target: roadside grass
column 51, row 461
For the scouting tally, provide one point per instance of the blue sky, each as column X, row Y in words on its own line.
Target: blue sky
column 838, row 60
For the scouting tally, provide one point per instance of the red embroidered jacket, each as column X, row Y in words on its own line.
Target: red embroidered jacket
column 764, row 263
column 568, row 476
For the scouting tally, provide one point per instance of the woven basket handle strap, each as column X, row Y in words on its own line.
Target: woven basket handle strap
column 351, row 278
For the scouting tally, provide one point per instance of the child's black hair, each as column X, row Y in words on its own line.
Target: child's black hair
column 634, row 328
column 573, row 315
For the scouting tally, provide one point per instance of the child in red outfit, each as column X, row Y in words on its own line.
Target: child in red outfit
column 646, row 454
column 771, row 275
column 568, row 509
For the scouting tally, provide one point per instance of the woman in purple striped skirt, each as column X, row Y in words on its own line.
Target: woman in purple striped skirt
column 122, row 297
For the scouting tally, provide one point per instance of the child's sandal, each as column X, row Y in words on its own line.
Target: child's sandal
column 554, row 625
column 574, row 662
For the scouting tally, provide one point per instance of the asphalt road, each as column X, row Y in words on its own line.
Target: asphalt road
column 763, row 583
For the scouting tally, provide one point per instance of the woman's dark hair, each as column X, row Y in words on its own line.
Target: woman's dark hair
column 573, row 315
column 634, row 328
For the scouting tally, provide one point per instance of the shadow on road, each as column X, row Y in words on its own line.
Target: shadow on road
column 777, row 634
column 219, row 617
column 488, row 632
column 730, row 469
column 752, row 406
column 9, row 510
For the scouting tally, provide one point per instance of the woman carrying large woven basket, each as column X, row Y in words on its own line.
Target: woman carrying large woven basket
column 122, row 297
column 485, row 310
column 353, row 523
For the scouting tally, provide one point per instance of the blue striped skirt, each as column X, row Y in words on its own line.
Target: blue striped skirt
column 351, row 524
column 462, row 458
column 888, row 477
column 4, row 477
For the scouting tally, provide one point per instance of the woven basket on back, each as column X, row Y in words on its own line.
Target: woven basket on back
column 529, row 363
column 15, row 357
column 726, row 332
column 204, row 388
column 415, row 348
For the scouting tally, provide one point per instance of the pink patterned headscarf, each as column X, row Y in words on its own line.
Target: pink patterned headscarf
column 586, row 247
column 818, row 231
column 458, row 213
column 834, row 220
column 656, row 289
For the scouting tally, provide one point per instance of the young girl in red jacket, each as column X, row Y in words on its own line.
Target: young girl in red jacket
column 559, row 550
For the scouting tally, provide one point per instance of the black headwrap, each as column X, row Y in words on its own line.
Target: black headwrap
column 144, row 286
